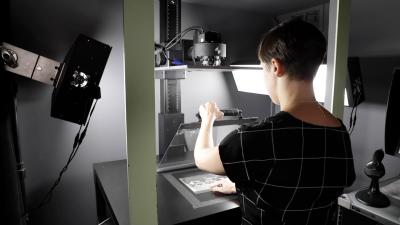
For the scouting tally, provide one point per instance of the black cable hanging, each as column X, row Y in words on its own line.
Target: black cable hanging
column 77, row 143
column 353, row 115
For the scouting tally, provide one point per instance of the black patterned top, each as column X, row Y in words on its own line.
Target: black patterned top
column 288, row 171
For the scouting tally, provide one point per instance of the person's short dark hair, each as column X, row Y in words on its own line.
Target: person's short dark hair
column 298, row 45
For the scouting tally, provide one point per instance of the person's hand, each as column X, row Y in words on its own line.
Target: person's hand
column 224, row 186
column 210, row 112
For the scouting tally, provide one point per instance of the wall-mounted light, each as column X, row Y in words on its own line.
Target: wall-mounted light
column 75, row 80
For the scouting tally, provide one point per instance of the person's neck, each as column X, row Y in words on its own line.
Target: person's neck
column 292, row 94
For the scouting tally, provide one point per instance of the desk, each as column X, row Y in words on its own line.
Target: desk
column 387, row 216
column 112, row 200
column 111, row 185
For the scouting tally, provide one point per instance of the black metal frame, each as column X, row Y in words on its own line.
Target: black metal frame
column 392, row 131
column 12, row 169
column 12, row 193
column 170, row 19
column 170, row 116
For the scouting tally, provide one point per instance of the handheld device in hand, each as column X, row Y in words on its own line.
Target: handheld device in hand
column 227, row 112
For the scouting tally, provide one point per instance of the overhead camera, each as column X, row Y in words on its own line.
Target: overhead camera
column 209, row 49
column 206, row 49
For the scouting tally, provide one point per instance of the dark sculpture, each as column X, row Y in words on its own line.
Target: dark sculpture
column 374, row 170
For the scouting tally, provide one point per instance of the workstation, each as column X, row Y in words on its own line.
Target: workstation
column 355, row 94
column 169, row 189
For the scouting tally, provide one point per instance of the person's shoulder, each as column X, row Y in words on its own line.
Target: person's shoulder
column 256, row 125
column 265, row 124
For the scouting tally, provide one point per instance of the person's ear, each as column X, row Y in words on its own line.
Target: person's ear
column 277, row 67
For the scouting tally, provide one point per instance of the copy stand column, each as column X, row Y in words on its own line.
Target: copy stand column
column 170, row 116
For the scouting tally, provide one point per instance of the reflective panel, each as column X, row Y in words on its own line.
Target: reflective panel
column 179, row 153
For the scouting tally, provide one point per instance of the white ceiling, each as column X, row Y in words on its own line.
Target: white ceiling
column 266, row 6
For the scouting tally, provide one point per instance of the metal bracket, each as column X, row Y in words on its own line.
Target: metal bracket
column 29, row 64
column 170, row 94
column 174, row 74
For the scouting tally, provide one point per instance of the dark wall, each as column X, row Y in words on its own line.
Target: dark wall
column 49, row 28
column 374, row 28
column 369, row 132
column 241, row 30
column 376, row 42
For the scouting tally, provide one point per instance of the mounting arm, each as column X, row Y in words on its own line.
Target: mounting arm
column 29, row 64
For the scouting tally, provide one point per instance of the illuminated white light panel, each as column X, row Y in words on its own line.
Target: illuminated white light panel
column 252, row 81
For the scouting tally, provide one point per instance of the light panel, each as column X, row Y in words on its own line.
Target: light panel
column 319, row 83
column 252, row 81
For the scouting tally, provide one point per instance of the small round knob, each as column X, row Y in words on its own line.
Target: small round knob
column 9, row 57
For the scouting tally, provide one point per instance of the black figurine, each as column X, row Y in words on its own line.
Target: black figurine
column 374, row 170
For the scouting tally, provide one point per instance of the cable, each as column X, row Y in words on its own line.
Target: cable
column 353, row 118
column 179, row 36
column 164, row 48
column 77, row 143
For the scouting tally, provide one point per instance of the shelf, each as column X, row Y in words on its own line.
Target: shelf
column 179, row 72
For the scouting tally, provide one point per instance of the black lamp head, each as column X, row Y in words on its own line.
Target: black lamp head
column 392, row 124
column 77, row 81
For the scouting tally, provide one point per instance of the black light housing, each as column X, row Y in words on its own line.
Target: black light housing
column 354, row 84
column 77, row 81
column 392, row 124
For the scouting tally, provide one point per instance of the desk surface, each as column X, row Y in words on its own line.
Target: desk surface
column 173, row 208
column 389, row 215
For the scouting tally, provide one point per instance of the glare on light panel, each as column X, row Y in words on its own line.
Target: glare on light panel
column 319, row 83
column 250, row 80
column 346, row 100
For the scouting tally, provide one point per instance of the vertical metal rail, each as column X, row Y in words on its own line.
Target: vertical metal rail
column 12, row 196
column 338, row 44
column 170, row 116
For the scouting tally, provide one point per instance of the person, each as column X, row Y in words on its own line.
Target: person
column 289, row 168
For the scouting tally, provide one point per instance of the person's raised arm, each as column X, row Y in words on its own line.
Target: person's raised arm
column 206, row 155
